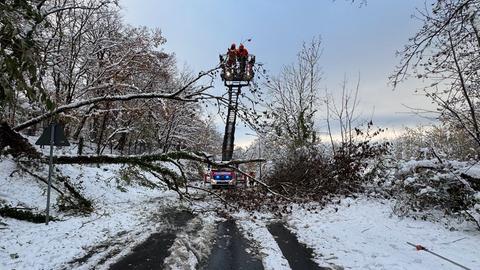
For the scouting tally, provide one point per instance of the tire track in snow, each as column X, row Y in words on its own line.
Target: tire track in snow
column 256, row 231
column 231, row 251
column 152, row 252
column 299, row 256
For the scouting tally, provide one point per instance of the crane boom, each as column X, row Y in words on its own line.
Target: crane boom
column 229, row 136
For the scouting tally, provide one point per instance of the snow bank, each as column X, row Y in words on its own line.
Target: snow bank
column 363, row 234
column 193, row 245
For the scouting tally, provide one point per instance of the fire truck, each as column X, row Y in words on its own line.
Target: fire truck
column 235, row 75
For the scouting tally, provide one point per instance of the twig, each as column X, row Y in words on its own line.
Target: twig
column 214, row 194
column 38, row 177
column 261, row 183
column 92, row 220
column 366, row 229
column 454, row 241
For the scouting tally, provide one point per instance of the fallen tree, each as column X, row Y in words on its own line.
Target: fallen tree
column 25, row 154
column 15, row 144
column 148, row 162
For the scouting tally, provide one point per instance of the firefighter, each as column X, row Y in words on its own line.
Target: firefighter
column 242, row 55
column 228, row 64
column 232, row 55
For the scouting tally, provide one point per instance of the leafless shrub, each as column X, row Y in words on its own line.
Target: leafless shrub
column 313, row 174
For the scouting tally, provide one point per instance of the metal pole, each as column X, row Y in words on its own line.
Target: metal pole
column 50, row 172
column 260, row 156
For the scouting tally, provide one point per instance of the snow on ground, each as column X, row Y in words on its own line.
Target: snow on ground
column 363, row 234
column 121, row 211
column 36, row 246
column 125, row 214
column 193, row 245
column 255, row 230
column 19, row 189
column 356, row 234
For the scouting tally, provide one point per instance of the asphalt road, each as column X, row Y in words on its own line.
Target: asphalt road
column 298, row 255
column 230, row 250
column 150, row 254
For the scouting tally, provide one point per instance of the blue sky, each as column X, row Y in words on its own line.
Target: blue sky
column 356, row 40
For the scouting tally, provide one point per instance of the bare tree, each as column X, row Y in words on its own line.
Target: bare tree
column 111, row 82
column 294, row 97
column 445, row 53
column 343, row 113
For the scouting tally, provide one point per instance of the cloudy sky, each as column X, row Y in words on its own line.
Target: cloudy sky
column 356, row 41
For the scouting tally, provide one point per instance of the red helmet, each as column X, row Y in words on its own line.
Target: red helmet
column 241, row 47
column 233, row 46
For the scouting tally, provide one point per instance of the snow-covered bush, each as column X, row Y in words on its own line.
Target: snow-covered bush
column 22, row 214
column 428, row 188
column 447, row 141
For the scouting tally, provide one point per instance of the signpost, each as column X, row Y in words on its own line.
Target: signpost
column 52, row 135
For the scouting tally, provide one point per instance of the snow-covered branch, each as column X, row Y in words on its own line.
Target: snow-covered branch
column 173, row 96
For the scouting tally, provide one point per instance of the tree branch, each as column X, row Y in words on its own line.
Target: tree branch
column 135, row 159
column 96, row 100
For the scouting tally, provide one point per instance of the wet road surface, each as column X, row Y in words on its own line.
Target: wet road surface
column 150, row 254
column 298, row 255
column 230, row 250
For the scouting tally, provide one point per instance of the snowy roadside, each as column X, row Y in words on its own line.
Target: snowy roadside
column 124, row 213
column 127, row 211
column 355, row 234
column 36, row 246
column 364, row 234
